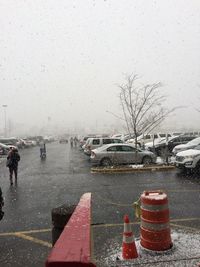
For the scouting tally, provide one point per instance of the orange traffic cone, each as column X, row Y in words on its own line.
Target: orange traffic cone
column 129, row 250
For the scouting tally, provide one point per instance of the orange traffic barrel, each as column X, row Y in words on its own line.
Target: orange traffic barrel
column 155, row 228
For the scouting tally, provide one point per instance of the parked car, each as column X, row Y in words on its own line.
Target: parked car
column 38, row 139
column 146, row 138
column 160, row 145
column 190, row 145
column 27, row 143
column 189, row 159
column 154, row 146
column 20, row 143
column 123, row 137
column 93, row 143
column 117, row 154
column 12, row 141
column 4, row 149
column 63, row 141
column 84, row 140
column 118, row 135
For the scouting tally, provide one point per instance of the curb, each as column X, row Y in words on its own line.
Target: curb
column 129, row 169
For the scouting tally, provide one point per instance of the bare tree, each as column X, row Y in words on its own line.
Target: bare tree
column 142, row 106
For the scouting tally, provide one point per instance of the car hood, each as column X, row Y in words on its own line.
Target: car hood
column 182, row 146
column 189, row 152
column 157, row 142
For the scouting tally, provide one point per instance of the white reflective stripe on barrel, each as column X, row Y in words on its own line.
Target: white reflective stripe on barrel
column 153, row 226
column 127, row 227
column 154, row 207
column 127, row 239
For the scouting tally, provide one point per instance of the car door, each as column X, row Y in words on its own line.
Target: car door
column 128, row 154
column 112, row 154
column 116, row 154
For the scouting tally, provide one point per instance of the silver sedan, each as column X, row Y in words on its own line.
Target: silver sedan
column 117, row 154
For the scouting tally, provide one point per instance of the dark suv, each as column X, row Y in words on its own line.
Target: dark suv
column 182, row 139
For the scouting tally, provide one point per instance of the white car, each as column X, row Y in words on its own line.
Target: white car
column 189, row 159
column 4, row 149
column 190, row 145
column 93, row 143
column 118, row 154
column 147, row 138
column 158, row 141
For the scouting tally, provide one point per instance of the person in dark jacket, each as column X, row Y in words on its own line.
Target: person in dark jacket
column 12, row 163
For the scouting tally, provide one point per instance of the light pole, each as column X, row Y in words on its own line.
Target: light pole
column 5, row 106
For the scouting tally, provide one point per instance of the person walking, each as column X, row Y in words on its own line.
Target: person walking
column 42, row 150
column 12, row 163
column 71, row 141
column 75, row 141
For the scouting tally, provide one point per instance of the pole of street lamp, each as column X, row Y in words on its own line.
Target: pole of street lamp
column 5, row 106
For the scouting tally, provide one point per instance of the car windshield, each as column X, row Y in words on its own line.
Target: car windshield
column 195, row 141
column 162, row 135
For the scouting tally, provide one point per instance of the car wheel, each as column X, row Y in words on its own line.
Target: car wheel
column 146, row 160
column 106, row 162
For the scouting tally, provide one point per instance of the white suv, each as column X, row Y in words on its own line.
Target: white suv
column 190, row 145
column 189, row 159
column 95, row 142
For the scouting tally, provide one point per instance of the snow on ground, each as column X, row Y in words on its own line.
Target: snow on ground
column 185, row 252
column 136, row 166
column 160, row 160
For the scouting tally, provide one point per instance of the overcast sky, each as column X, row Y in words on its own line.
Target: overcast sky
column 63, row 59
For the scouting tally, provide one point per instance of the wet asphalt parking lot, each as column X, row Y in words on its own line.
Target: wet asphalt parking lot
column 25, row 231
